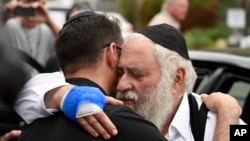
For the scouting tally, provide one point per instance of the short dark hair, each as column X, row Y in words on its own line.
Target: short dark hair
column 80, row 42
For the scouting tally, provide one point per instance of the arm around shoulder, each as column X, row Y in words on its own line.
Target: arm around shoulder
column 228, row 113
column 30, row 102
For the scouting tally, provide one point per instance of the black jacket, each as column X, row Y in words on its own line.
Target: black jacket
column 131, row 127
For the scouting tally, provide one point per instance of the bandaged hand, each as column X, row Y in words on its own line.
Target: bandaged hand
column 82, row 101
column 85, row 105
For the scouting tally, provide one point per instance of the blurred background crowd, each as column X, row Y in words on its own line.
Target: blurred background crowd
column 206, row 25
column 221, row 25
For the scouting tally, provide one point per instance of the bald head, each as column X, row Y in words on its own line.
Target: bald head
column 178, row 9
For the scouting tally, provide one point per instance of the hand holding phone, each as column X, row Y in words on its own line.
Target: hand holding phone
column 24, row 11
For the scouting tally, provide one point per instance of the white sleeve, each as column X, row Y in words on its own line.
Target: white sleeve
column 30, row 102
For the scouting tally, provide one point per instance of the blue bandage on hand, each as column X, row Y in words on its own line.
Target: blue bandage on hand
column 80, row 95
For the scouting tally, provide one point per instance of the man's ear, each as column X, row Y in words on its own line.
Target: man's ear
column 178, row 80
column 112, row 56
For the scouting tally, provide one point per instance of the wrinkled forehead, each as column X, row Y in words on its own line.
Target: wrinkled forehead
column 137, row 38
column 137, row 48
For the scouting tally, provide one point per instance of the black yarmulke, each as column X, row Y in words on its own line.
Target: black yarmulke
column 80, row 15
column 167, row 36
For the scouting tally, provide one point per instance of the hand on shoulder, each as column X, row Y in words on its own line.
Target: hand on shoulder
column 222, row 103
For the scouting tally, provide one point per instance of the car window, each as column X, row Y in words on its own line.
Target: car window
column 202, row 82
column 240, row 90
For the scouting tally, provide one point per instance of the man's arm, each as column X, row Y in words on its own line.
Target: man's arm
column 49, row 21
column 95, row 124
column 43, row 94
column 30, row 101
column 228, row 112
column 42, row 15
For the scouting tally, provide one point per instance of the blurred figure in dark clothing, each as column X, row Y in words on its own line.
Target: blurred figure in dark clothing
column 12, row 78
column 12, row 73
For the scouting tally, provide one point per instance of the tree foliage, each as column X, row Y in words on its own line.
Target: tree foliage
column 147, row 9
column 139, row 12
column 128, row 9
column 202, row 14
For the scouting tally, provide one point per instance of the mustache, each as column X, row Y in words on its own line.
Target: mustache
column 128, row 95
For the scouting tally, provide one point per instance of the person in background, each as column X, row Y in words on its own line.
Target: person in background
column 12, row 78
column 8, row 10
column 12, row 75
column 52, row 64
column 77, row 8
column 40, row 47
column 32, row 30
column 172, row 13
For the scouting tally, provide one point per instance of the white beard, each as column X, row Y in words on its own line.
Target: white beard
column 155, row 104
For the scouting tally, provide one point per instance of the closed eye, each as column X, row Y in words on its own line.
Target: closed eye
column 135, row 73
column 119, row 71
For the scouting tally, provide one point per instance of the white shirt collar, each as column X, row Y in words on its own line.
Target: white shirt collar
column 180, row 126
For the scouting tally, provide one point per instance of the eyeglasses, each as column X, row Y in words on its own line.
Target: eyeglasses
column 107, row 45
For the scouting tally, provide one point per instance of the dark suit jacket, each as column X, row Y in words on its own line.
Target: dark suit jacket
column 131, row 127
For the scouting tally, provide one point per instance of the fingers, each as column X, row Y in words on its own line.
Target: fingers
column 98, row 124
column 221, row 102
column 106, row 123
column 203, row 97
column 84, row 123
column 42, row 13
column 35, row 4
column 11, row 135
column 12, row 4
column 113, row 101
column 209, row 102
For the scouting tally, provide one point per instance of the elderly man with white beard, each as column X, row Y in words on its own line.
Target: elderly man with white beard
column 155, row 79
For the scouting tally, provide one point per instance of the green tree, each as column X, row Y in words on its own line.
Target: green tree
column 128, row 9
column 139, row 12
column 147, row 9
column 202, row 14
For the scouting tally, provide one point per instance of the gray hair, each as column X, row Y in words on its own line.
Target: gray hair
column 166, row 57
